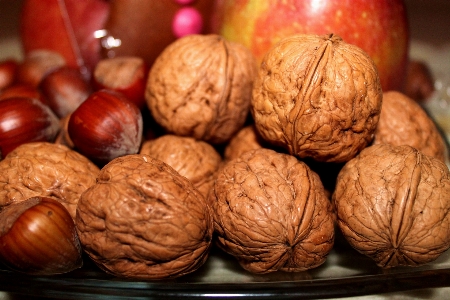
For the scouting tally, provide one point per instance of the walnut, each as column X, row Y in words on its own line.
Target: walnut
column 404, row 122
column 200, row 86
column 196, row 160
column 45, row 169
column 271, row 213
column 318, row 97
column 392, row 205
column 143, row 220
column 244, row 140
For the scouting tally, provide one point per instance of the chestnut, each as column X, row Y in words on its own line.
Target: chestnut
column 24, row 120
column 105, row 126
column 65, row 89
column 22, row 90
column 37, row 64
column 124, row 74
column 38, row 236
column 8, row 68
column 419, row 84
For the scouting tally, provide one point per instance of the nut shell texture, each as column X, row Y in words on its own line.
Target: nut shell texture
column 392, row 205
column 144, row 220
column 196, row 160
column 271, row 213
column 404, row 122
column 200, row 86
column 244, row 140
column 45, row 169
column 318, row 97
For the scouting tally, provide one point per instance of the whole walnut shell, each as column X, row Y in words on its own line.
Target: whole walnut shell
column 45, row 169
column 392, row 205
column 271, row 213
column 318, row 97
column 143, row 220
column 404, row 122
column 200, row 86
column 196, row 160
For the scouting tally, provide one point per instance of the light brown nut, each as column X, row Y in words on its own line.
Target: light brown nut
column 143, row 220
column 318, row 97
column 392, row 205
column 200, row 86
column 404, row 122
column 244, row 140
column 271, row 213
column 196, row 160
column 45, row 169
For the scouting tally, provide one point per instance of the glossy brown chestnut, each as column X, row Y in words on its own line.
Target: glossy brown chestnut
column 37, row 64
column 105, row 126
column 124, row 74
column 22, row 90
column 24, row 120
column 65, row 89
column 38, row 236
column 8, row 70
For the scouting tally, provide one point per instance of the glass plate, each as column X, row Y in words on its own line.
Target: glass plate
column 345, row 273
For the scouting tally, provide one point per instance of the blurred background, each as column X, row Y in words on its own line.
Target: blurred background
column 429, row 23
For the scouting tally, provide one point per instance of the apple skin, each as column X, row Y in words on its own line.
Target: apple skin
column 64, row 26
column 378, row 27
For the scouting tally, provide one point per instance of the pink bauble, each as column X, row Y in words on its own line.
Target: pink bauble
column 187, row 21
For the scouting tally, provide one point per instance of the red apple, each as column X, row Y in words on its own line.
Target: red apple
column 64, row 26
column 378, row 27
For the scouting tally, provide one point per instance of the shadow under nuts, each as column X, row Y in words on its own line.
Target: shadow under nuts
column 200, row 86
column 318, row 97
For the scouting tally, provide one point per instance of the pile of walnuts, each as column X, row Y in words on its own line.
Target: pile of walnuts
column 265, row 162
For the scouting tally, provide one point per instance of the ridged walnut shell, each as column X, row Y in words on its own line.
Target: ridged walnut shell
column 196, row 160
column 392, row 205
column 318, row 97
column 144, row 220
column 271, row 213
column 244, row 140
column 404, row 122
column 200, row 86
column 47, row 170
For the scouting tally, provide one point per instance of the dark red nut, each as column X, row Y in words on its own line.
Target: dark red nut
column 37, row 64
column 22, row 90
column 105, row 126
column 38, row 236
column 8, row 70
column 125, row 74
column 419, row 81
column 65, row 89
column 24, row 120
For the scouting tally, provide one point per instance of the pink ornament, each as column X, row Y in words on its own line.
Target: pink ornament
column 187, row 21
column 184, row 2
